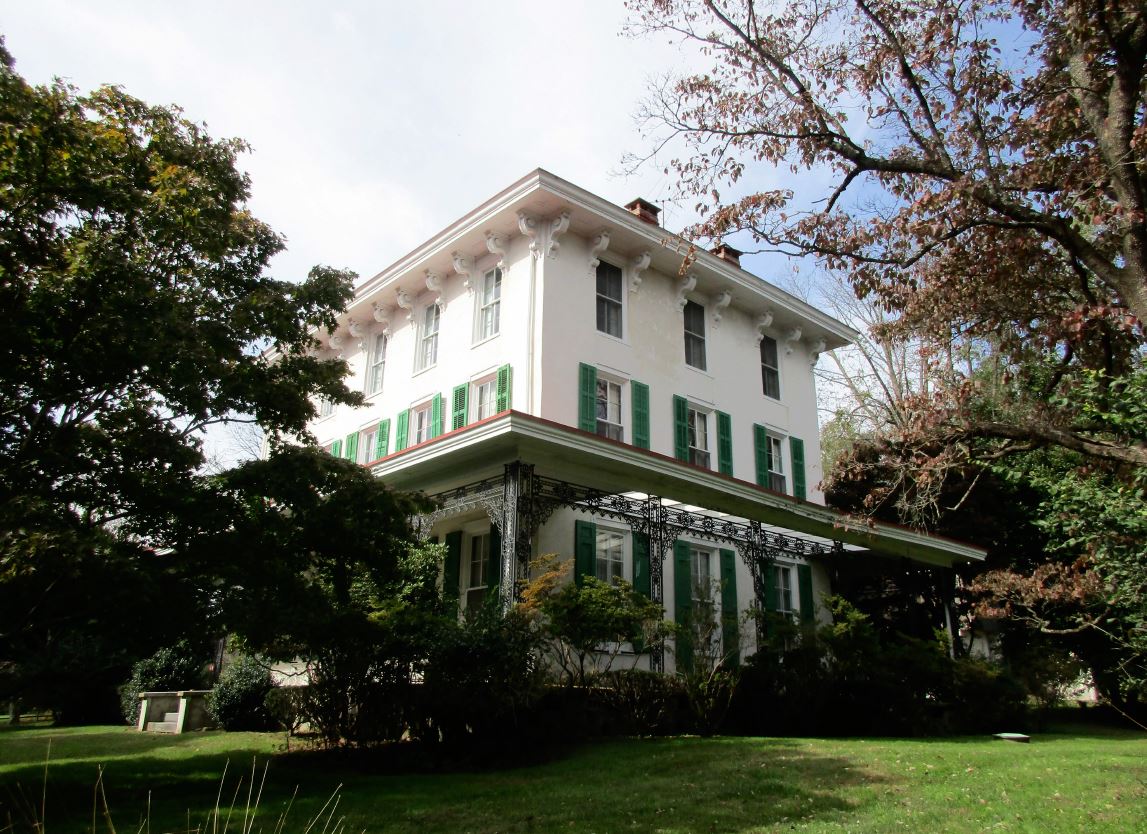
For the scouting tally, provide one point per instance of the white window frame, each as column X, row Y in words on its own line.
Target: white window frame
column 488, row 298
column 375, row 365
column 776, row 369
column 687, row 333
column 788, row 600
column 622, row 302
column 367, row 439
column 474, row 403
column 416, row 434
column 427, row 340
column 601, row 427
column 622, row 562
column 703, row 414
column 778, row 482
column 326, row 407
column 471, row 533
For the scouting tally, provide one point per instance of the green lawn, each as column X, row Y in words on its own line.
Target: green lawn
column 1070, row 781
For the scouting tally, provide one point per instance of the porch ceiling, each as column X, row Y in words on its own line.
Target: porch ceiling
column 558, row 451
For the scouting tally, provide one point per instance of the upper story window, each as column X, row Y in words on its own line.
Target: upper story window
column 485, row 398
column 326, row 407
column 489, row 306
column 377, row 364
column 776, row 465
column 695, row 335
column 367, row 442
column 698, row 422
column 421, row 423
column 770, row 368
column 428, row 343
column 609, row 299
column 608, row 410
column 610, row 556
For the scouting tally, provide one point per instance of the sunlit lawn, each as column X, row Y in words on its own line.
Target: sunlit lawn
column 1070, row 781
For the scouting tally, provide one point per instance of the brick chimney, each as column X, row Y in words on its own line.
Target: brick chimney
column 645, row 210
column 727, row 253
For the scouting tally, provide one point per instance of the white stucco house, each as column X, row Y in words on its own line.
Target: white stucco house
column 545, row 369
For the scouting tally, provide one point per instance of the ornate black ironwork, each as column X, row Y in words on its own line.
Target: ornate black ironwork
column 520, row 501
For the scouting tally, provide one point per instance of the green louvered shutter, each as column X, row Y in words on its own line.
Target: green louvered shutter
column 769, row 603
column 382, row 440
column 639, row 394
column 761, row 454
column 641, row 575
column 337, row 448
column 587, row 397
column 804, row 584
column 724, row 443
column 452, row 570
column 352, row 446
column 504, row 389
column 683, row 604
column 400, row 430
column 494, row 580
column 436, row 416
column 458, row 407
column 730, row 608
column 585, row 550
column 680, row 428
column 796, row 447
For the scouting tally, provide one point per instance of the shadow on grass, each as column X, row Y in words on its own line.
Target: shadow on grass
column 679, row 784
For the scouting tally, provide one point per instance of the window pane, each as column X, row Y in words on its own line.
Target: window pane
column 609, row 281
column 770, row 368
column 610, row 560
column 695, row 318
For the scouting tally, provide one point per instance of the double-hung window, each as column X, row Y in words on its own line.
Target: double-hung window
column 428, row 344
column 698, row 438
column 377, row 364
column 776, row 465
column 695, row 335
column 783, row 579
column 609, row 299
column 770, row 368
column 326, row 407
column 608, row 410
column 610, row 558
column 485, row 398
column 421, row 423
column 367, row 441
column 490, row 306
column 479, row 573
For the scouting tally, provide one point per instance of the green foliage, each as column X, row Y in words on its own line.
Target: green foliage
column 848, row 678
column 135, row 313
column 238, row 700
column 170, row 669
column 586, row 623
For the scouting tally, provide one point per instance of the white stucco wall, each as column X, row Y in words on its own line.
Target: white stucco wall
column 652, row 352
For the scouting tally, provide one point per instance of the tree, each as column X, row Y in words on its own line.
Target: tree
column 315, row 561
column 994, row 192
column 136, row 313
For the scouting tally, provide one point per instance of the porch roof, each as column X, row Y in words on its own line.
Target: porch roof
column 559, row 451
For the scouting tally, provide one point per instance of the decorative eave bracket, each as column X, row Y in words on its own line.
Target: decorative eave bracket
column 434, row 285
column 637, row 266
column 463, row 267
column 558, row 227
column 791, row 340
column 816, row 348
column 497, row 245
column 720, row 302
column 686, row 285
column 382, row 316
column 529, row 227
column 763, row 320
column 403, row 301
column 599, row 244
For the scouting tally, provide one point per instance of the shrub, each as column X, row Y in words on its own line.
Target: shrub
column 169, row 669
column 239, row 700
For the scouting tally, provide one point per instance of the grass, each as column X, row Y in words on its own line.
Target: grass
column 1077, row 779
